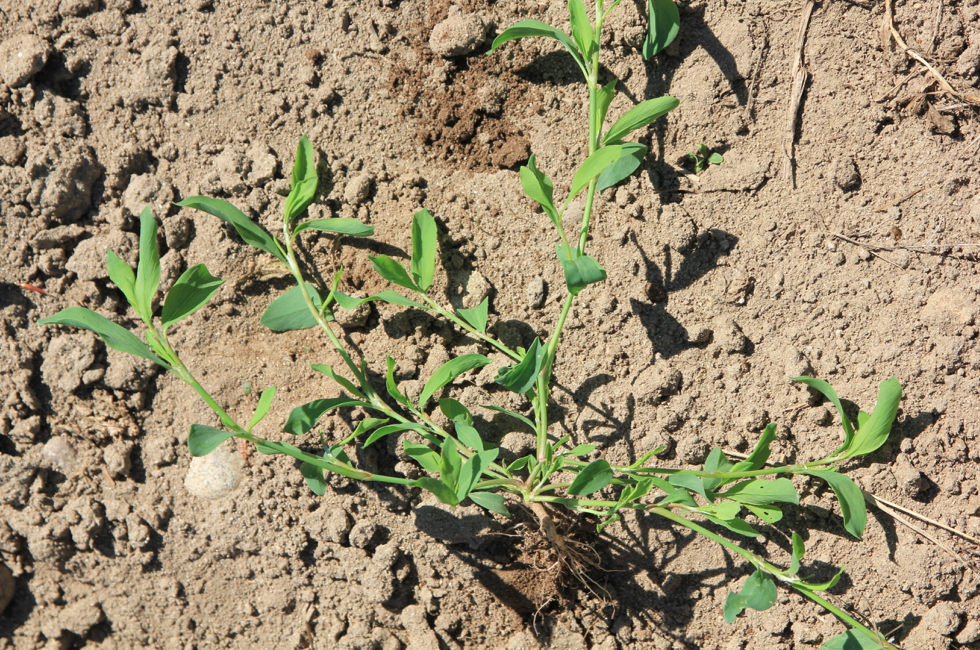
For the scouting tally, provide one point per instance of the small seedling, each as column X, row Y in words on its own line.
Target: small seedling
column 702, row 158
column 724, row 499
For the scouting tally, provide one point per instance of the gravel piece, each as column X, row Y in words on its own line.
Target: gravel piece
column 536, row 292
column 364, row 533
column 215, row 475
column 21, row 57
column 264, row 166
column 118, row 459
column 847, row 178
column 477, row 288
column 359, row 189
column 658, row 382
column 337, row 527
column 59, row 454
column 458, row 35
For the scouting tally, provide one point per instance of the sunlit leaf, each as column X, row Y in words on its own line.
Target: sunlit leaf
column 115, row 336
column 190, row 292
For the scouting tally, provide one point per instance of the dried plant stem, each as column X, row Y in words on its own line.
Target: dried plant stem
column 800, row 76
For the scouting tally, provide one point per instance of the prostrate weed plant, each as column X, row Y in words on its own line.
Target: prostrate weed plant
column 457, row 462
column 702, row 158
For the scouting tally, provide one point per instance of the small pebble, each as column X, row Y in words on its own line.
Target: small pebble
column 458, row 35
column 215, row 475
column 536, row 292
column 59, row 454
column 847, row 178
column 21, row 57
column 359, row 189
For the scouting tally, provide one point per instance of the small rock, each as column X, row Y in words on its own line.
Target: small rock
column 353, row 318
column 118, row 459
column 21, row 57
column 364, row 534
column 458, row 35
column 909, row 479
column 65, row 179
column 536, row 292
column 265, row 165
column 969, row 634
column 215, row 475
column 7, row 587
column 59, row 454
column 177, row 231
column 88, row 260
column 81, row 616
column 477, row 288
column 12, row 149
column 359, row 189
column 657, row 383
column 692, row 449
column 147, row 190
column 337, row 526
column 57, row 237
column 729, row 335
column 846, row 175
column 67, row 358
column 942, row 619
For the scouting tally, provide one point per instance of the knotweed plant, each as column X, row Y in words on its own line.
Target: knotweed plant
column 723, row 501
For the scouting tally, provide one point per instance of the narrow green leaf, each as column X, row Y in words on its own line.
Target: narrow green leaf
column 769, row 514
column 425, row 242
column 758, row 592
column 250, row 232
column 517, row 416
column 290, row 311
column 593, row 477
column 593, row 166
column 202, row 439
column 443, row 492
column 579, row 450
column 190, row 292
column 448, row 372
column 580, row 272
column 526, row 28
column 581, row 28
column 824, row 586
column 148, row 266
column 303, row 182
column 854, row 639
column 423, row 455
column 303, row 418
column 262, row 408
column 455, row 411
column 873, row 433
column 540, row 189
column 390, row 297
column 673, row 494
column 604, row 98
column 469, row 474
column 392, row 387
column 122, row 276
column 449, row 462
column 738, row 526
column 762, row 492
column 381, row 432
column 337, row 226
column 828, row 392
column 760, row 454
column 491, row 501
column 476, row 316
column 663, row 24
column 469, row 436
column 639, row 116
column 520, row 463
column 313, row 476
column 115, row 336
column 715, row 462
column 629, row 160
column 330, row 372
column 520, row 378
column 393, row 272
column 690, row 482
column 850, row 498
column 798, row 550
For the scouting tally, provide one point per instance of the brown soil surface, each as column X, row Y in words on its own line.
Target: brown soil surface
column 721, row 286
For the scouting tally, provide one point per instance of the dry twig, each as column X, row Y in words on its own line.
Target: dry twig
column 800, row 77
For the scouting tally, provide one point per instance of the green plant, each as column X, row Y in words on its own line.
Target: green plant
column 702, row 157
column 457, row 463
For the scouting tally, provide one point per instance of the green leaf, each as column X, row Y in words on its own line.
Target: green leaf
column 469, row 474
column 690, row 482
column 738, row 526
column 250, row 232
column 849, row 496
column 392, row 387
column 769, row 514
column 823, row 586
column 663, row 24
column 579, row 450
column 443, row 492
column 265, row 402
column 390, row 297
column 476, row 316
column 540, row 189
column 190, row 292
column 580, row 272
column 148, row 266
column 593, row 477
column 423, row 455
column 828, row 391
column 381, row 432
column 520, row 463
column 448, row 372
column 313, row 476
column 115, row 336
column 202, row 439
column 581, row 28
column 330, row 372
column 491, row 501
column 758, row 592
column 449, row 462
column 873, row 433
column 726, row 510
column 854, row 639
column 303, row 182
column 517, row 416
column 393, row 272
column 425, row 241
column 455, row 411
column 337, row 226
column 122, row 276
column 469, row 436
column 520, row 378
column 762, row 492
column 673, row 494
column 604, row 98
column 715, row 462
column 290, row 311
column 639, row 116
column 798, row 551
column 303, row 418
column 527, row 28
column 760, row 454
column 592, row 167
column 716, row 158
column 629, row 160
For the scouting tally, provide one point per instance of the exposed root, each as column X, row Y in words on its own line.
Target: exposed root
column 575, row 557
